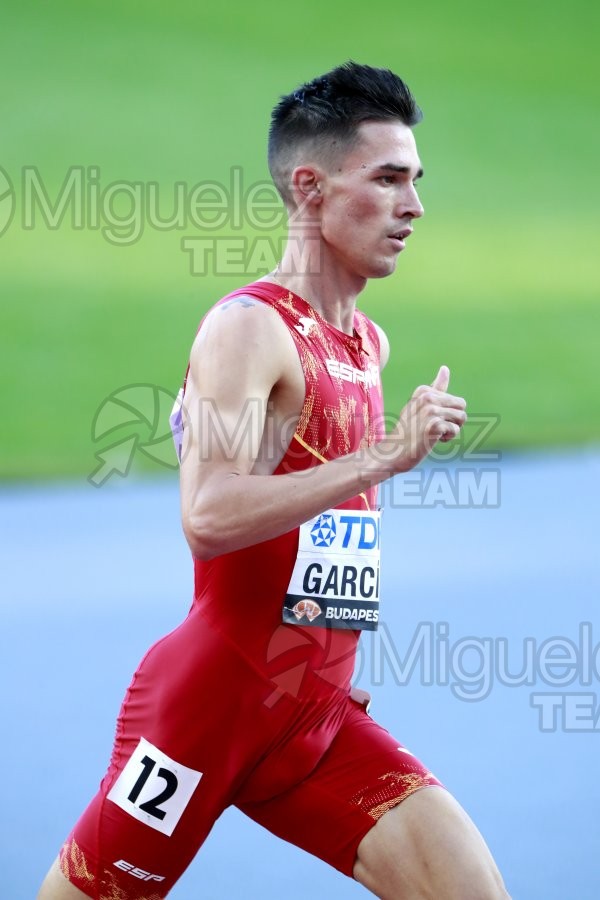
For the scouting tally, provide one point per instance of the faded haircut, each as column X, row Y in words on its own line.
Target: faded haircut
column 321, row 117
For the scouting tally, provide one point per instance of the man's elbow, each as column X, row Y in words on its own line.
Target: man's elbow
column 202, row 535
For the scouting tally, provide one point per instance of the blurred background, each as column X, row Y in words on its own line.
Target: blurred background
column 134, row 192
column 500, row 280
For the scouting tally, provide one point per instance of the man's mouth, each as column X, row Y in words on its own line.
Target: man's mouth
column 398, row 237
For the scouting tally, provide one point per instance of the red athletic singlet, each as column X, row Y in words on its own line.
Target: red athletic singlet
column 342, row 413
column 236, row 707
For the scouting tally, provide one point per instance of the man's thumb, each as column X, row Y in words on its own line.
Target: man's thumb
column 442, row 379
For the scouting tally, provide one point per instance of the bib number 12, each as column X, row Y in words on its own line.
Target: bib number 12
column 154, row 788
column 151, row 806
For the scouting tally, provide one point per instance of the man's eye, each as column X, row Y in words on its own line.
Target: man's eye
column 386, row 179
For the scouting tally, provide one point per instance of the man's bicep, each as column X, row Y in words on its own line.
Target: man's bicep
column 223, row 428
column 229, row 384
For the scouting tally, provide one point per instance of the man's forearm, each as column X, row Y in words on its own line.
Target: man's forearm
column 236, row 511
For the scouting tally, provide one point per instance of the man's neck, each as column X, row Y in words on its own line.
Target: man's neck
column 329, row 289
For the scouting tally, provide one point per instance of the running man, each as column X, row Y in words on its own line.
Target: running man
column 249, row 701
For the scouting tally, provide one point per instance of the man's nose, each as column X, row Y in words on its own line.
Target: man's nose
column 412, row 205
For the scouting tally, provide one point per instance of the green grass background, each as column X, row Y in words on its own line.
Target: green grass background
column 500, row 281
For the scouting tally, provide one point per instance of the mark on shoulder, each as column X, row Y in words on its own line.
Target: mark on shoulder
column 243, row 300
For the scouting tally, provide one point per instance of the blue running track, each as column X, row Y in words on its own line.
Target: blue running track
column 90, row 577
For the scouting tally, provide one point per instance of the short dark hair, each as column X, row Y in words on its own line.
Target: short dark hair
column 324, row 114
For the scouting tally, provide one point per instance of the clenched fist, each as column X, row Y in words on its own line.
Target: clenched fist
column 431, row 415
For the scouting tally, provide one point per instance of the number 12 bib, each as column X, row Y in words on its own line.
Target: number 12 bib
column 335, row 581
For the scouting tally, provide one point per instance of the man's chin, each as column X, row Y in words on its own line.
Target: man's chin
column 382, row 268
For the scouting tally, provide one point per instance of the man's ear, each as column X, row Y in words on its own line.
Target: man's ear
column 305, row 184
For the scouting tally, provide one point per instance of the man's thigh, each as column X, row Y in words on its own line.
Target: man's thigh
column 428, row 847
column 365, row 773
column 56, row 886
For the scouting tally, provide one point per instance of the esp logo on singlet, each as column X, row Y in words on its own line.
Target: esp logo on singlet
column 368, row 378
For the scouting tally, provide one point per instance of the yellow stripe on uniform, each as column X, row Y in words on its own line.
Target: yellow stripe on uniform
column 323, row 460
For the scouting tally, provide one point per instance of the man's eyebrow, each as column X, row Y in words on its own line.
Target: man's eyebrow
column 403, row 170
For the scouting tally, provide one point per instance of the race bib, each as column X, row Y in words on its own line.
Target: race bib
column 153, row 788
column 335, row 582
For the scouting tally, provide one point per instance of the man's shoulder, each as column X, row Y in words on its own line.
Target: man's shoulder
column 251, row 296
column 242, row 322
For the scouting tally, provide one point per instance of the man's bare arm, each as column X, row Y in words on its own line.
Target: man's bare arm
column 237, row 360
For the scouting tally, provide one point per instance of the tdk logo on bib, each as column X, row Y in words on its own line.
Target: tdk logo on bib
column 335, row 581
column 323, row 531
